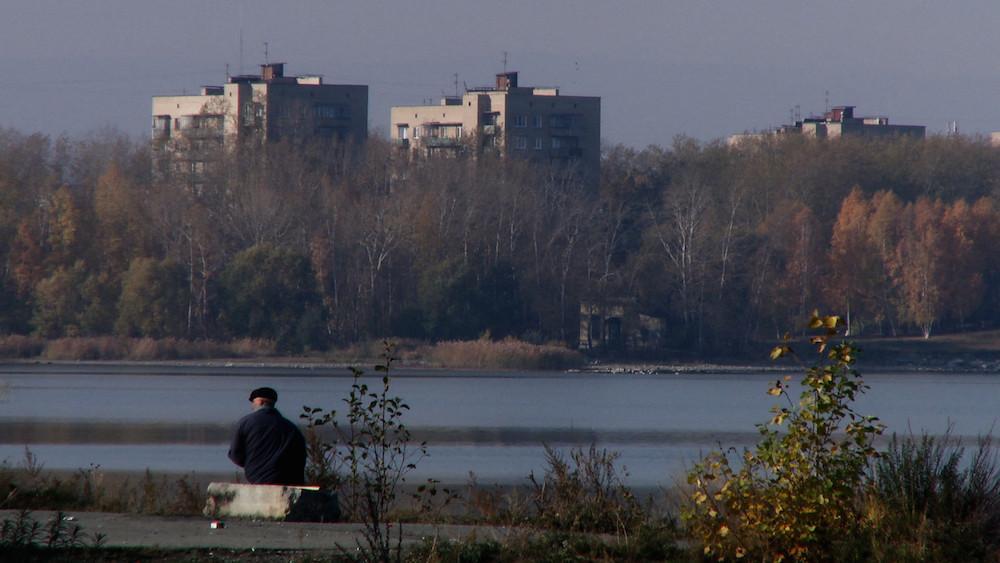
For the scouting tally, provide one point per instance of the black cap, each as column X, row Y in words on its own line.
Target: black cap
column 265, row 393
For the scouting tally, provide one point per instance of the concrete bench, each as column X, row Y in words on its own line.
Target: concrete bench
column 271, row 502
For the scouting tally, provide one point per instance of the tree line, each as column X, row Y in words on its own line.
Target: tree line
column 314, row 245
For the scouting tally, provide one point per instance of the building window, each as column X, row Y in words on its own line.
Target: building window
column 520, row 121
column 403, row 132
column 539, row 143
column 557, row 143
column 520, row 143
column 332, row 111
column 538, row 122
column 561, row 121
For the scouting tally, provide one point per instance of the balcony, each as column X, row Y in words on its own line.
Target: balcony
column 441, row 142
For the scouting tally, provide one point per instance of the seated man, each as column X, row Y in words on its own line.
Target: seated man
column 269, row 447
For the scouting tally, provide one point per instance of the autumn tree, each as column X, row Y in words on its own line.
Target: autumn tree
column 921, row 259
column 268, row 292
column 853, row 284
column 153, row 299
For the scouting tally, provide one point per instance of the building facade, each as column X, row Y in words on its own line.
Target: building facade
column 533, row 123
column 838, row 122
column 269, row 106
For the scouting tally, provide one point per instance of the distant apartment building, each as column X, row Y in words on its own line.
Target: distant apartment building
column 188, row 129
column 838, row 122
column 533, row 123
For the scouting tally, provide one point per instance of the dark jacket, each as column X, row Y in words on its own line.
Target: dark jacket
column 270, row 448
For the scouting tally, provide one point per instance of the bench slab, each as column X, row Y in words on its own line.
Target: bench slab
column 271, row 502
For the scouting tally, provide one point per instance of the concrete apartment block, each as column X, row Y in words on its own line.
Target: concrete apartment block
column 534, row 123
column 838, row 122
column 268, row 106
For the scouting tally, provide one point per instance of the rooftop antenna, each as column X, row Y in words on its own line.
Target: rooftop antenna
column 241, row 38
column 265, row 53
column 227, row 71
column 798, row 113
column 455, row 75
column 505, row 62
column 827, row 101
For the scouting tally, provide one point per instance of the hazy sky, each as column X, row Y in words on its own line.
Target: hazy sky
column 663, row 68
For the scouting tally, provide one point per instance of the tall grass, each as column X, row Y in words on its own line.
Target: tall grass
column 20, row 346
column 508, row 353
column 137, row 349
column 29, row 486
column 929, row 502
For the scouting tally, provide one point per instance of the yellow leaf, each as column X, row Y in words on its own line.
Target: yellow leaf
column 774, row 391
column 815, row 321
column 724, row 530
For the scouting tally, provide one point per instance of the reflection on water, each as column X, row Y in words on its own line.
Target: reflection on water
column 646, row 465
column 178, row 418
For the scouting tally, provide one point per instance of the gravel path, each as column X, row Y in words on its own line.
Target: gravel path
column 172, row 532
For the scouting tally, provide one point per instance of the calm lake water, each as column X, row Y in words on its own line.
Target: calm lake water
column 177, row 419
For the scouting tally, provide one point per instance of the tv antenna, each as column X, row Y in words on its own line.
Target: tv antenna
column 241, row 38
column 265, row 53
column 505, row 62
column 455, row 75
column 827, row 101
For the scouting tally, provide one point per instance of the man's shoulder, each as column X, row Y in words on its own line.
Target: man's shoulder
column 268, row 416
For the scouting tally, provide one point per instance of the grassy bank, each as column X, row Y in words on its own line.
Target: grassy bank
column 508, row 353
column 116, row 348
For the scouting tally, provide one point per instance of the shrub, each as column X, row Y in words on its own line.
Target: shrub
column 373, row 461
column 584, row 494
column 793, row 496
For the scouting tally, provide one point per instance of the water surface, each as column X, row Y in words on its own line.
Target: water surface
column 178, row 418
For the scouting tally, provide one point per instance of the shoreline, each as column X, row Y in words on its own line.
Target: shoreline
column 963, row 363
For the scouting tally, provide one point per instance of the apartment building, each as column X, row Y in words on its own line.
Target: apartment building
column 189, row 129
column 838, row 122
column 535, row 123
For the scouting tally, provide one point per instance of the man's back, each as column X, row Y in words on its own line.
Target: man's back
column 270, row 448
